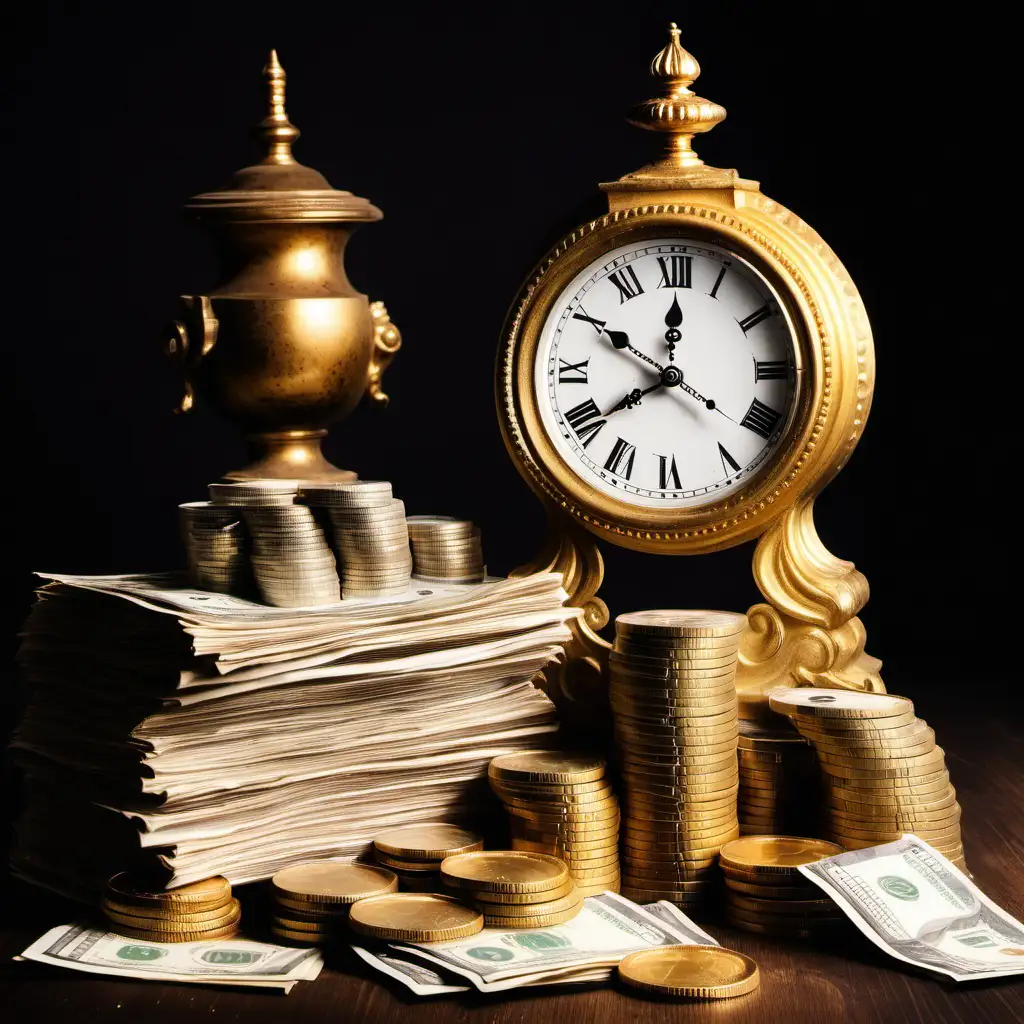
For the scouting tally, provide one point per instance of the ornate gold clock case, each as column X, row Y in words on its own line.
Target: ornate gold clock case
column 756, row 308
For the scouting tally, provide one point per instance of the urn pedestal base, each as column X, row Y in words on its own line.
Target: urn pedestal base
column 289, row 455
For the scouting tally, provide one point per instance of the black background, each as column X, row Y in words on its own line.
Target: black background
column 482, row 136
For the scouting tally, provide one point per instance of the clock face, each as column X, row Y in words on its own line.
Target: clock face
column 667, row 373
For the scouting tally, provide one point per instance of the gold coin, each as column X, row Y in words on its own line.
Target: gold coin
column 816, row 702
column 684, row 622
column 872, row 818
column 600, row 802
column 539, row 921
column 782, row 743
column 672, row 761
column 570, row 900
column 939, row 794
column 168, row 913
column 415, row 917
column 772, row 892
column 891, row 739
column 547, row 766
column 643, row 894
column 898, row 785
column 197, row 935
column 330, row 881
column 568, row 851
column 482, row 896
column 137, row 889
column 432, row 841
column 318, row 928
column 551, row 791
column 883, row 767
column 414, row 866
column 311, row 911
column 890, row 835
column 596, row 890
column 504, row 871
column 568, row 833
column 298, row 938
column 690, row 972
column 220, row 918
column 771, row 854
column 780, row 907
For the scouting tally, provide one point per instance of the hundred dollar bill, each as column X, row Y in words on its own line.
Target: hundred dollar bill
column 587, row 948
column 432, row 980
column 216, row 961
column 910, row 901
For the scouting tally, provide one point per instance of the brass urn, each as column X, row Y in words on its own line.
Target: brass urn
column 283, row 345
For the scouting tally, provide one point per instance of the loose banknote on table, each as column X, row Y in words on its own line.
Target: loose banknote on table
column 214, row 962
column 914, row 904
column 583, row 950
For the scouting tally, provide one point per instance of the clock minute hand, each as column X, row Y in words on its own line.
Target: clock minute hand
column 620, row 339
column 633, row 398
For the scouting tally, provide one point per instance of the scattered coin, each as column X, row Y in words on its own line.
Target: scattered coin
column 690, row 972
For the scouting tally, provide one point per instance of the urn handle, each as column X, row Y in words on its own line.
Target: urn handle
column 188, row 340
column 387, row 340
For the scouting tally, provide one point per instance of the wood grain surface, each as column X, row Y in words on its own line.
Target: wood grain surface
column 801, row 983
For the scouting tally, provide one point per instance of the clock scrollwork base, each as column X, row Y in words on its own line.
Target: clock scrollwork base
column 577, row 682
column 808, row 632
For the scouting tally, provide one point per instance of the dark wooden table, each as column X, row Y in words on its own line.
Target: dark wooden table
column 801, row 983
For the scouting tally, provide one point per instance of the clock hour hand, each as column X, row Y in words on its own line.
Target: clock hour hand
column 620, row 339
column 633, row 398
column 673, row 318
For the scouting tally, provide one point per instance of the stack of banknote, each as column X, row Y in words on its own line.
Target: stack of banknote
column 199, row 733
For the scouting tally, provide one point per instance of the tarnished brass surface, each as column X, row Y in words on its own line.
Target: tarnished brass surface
column 283, row 345
column 807, row 632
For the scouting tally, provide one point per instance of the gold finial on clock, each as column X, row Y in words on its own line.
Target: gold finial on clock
column 678, row 112
column 275, row 129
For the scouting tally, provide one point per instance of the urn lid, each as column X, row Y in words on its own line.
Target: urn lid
column 279, row 188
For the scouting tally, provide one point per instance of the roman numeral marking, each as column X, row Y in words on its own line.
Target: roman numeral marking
column 627, row 282
column 755, row 318
column 761, row 419
column 729, row 464
column 668, row 474
column 771, row 370
column 675, row 271
column 598, row 325
column 583, row 419
column 574, row 373
column 620, row 462
column 718, row 281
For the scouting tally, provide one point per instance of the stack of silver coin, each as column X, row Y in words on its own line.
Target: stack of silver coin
column 291, row 558
column 370, row 535
column 446, row 549
column 215, row 541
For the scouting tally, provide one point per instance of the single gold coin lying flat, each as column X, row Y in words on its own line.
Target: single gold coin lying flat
column 137, row 889
column 820, row 702
column 694, row 972
column 775, row 853
column 332, row 881
column 547, row 766
column 415, row 917
column 432, row 841
column 504, row 871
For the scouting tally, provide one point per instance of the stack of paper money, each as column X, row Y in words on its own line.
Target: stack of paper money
column 205, row 734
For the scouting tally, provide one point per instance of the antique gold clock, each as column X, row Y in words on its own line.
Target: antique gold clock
column 684, row 374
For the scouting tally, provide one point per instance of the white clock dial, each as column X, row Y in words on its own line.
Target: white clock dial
column 667, row 373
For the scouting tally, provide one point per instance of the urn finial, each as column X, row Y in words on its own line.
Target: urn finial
column 677, row 111
column 275, row 129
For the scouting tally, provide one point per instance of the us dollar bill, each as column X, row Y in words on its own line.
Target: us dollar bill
column 585, row 949
column 910, row 901
column 214, row 961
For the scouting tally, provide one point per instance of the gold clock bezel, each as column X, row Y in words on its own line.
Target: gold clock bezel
column 720, row 523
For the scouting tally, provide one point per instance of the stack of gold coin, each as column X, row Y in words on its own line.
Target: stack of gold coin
column 415, row 917
column 370, row 535
column 673, row 697
column 883, row 773
column 766, row 893
column 513, row 888
column 140, row 908
column 561, row 804
column 415, row 852
column 311, row 901
column 778, row 781
column 690, row 972
column 215, row 542
column 446, row 549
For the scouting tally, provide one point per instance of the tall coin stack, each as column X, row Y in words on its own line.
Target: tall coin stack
column 139, row 908
column 562, row 805
column 673, row 697
column 370, row 536
column 882, row 771
column 311, row 901
column 215, row 542
column 513, row 888
column 778, row 782
column 291, row 559
column 446, row 549
column 414, row 852
column 765, row 893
